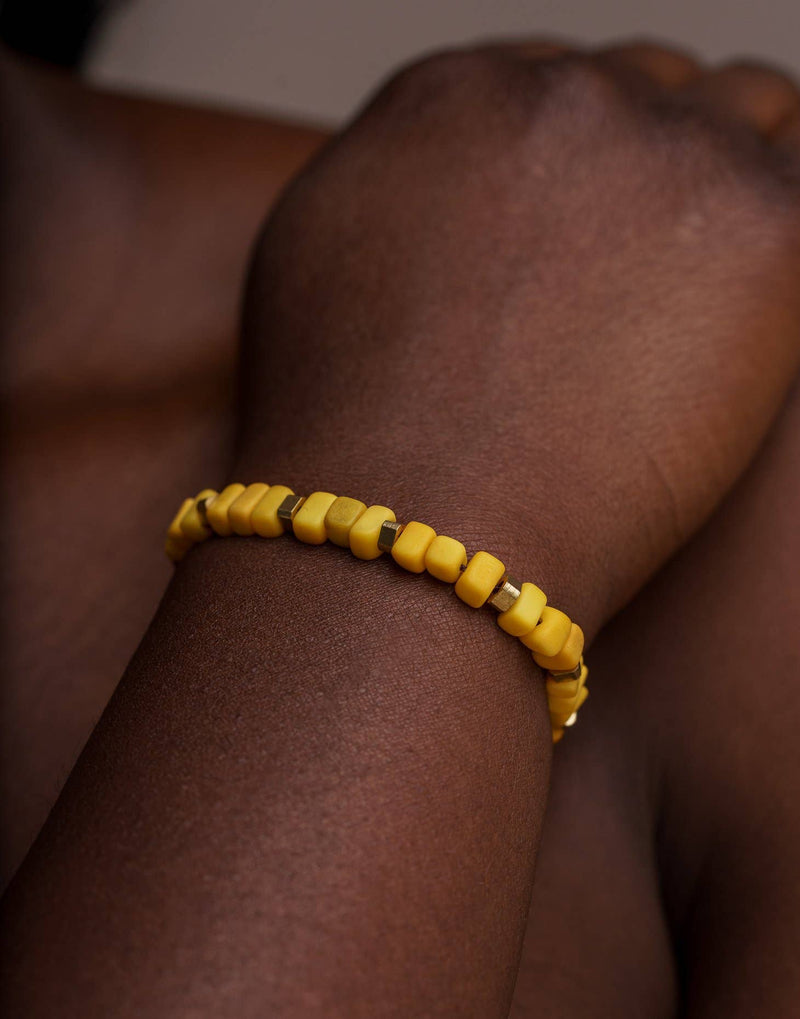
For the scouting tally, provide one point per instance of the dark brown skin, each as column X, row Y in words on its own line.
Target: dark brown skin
column 440, row 767
column 126, row 230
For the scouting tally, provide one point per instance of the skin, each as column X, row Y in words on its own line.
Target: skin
column 454, row 733
column 147, row 329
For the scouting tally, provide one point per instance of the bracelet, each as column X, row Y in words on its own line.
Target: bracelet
column 369, row 531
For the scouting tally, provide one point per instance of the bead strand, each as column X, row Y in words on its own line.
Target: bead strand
column 556, row 643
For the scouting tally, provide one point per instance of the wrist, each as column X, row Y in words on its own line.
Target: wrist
column 535, row 537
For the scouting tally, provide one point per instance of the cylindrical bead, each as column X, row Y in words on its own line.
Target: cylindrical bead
column 479, row 579
column 339, row 519
column 264, row 517
column 525, row 613
column 445, row 558
column 550, row 634
column 569, row 655
column 240, row 513
column 410, row 547
column 366, row 530
column 561, row 713
column 567, row 690
column 217, row 512
column 192, row 524
column 175, row 530
column 309, row 522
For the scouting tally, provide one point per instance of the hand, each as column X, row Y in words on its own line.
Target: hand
column 547, row 303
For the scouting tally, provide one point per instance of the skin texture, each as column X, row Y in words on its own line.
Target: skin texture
column 621, row 855
column 667, row 867
column 640, row 365
column 126, row 229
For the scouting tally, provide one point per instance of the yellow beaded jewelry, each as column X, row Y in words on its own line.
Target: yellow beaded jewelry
column 270, row 510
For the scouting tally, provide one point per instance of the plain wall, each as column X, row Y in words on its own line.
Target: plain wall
column 318, row 59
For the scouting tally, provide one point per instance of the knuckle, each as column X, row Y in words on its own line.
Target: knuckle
column 438, row 76
column 763, row 73
column 581, row 83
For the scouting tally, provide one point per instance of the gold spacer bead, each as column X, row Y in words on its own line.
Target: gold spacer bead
column 288, row 509
column 202, row 506
column 388, row 535
column 506, row 593
column 562, row 677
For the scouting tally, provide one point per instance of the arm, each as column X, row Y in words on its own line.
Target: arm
column 624, row 453
column 125, row 229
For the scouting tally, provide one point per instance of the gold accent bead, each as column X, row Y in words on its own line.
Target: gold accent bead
column 506, row 594
column 202, row 508
column 288, row 508
column 193, row 525
column 567, row 674
column 388, row 535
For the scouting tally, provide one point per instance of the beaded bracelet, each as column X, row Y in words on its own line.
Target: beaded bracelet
column 272, row 510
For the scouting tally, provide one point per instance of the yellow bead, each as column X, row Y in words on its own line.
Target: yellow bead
column 177, row 544
column 264, row 517
column 445, row 558
column 558, row 734
column 525, row 613
column 240, row 513
column 562, row 691
column 569, row 655
column 566, row 689
column 217, row 512
column 559, row 718
column 174, row 530
column 562, row 709
column 339, row 519
column 414, row 541
column 309, row 523
column 364, row 533
column 563, row 705
column 550, row 635
column 192, row 524
column 479, row 579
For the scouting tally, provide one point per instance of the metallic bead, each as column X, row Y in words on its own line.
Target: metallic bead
column 561, row 677
column 288, row 508
column 202, row 506
column 507, row 592
column 388, row 535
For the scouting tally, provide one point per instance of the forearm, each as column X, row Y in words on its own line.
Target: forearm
column 318, row 791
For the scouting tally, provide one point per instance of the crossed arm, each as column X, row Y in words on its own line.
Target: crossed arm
column 393, row 835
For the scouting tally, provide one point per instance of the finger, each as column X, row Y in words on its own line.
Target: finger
column 539, row 49
column 758, row 95
column 667, row 66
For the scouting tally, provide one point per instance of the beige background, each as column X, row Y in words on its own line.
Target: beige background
column 317, row 58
